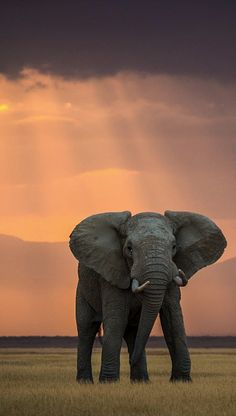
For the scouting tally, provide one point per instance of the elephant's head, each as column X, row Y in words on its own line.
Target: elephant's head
column 145, row 253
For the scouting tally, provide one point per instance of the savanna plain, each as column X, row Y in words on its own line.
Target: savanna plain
column 42, row 382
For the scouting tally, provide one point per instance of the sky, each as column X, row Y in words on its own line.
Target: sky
column 110, row 106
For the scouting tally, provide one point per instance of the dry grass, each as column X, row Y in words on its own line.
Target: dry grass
column 42, row 382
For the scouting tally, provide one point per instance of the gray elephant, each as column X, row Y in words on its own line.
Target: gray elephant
column 130, row 269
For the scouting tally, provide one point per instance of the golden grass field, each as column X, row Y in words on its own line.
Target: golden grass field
column 42, row 382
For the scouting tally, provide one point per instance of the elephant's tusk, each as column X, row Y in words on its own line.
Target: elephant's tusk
column 180, row 279
column 135, row 285
column 136, row 288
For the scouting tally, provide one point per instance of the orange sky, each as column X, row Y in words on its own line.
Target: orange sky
column 69, row 149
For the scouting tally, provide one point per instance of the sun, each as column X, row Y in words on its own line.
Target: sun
column 4, row 107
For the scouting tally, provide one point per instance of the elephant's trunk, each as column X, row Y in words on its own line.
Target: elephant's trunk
column 153, row 296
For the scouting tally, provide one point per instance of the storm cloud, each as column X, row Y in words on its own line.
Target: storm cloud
column 103, row 37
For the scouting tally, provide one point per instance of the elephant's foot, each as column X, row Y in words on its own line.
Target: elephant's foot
column 186, row 378
column 108, row 379
column 139, row 380
column 138, row 375
column 83, row 380
column 84, row 376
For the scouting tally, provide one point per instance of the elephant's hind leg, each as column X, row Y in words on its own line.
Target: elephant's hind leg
column 88, row 327
column 174, row 333
column 139, row 372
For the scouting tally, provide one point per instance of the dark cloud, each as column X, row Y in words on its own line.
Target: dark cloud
column 86, row 38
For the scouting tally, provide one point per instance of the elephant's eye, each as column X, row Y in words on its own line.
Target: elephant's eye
column 129, row 251
column 174, row 248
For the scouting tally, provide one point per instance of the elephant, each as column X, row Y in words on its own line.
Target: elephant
column 131, row 269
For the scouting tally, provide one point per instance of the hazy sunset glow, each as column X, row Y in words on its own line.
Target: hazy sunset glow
column 144, row 143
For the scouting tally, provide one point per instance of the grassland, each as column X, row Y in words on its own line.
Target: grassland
column 42, row 382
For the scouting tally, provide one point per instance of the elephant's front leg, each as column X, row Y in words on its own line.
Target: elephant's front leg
column 115, row 316
column 139, row 372
column 174, row 333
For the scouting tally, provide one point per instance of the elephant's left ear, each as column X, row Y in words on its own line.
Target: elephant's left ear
column 199, row 241
column 96, row 243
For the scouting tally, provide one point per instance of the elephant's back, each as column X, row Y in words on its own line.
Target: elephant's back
column 90, row 287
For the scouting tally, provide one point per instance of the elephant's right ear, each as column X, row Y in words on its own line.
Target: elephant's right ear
column 199, row 241
column 96, row 243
